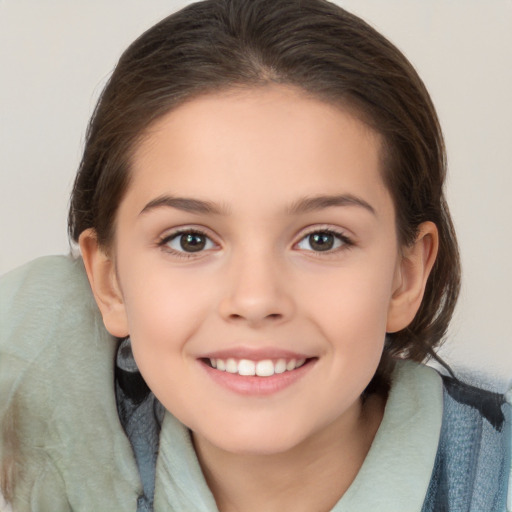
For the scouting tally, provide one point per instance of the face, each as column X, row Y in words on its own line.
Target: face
column 256, row 261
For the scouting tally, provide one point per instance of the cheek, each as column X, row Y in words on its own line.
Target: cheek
column 164, row 311
column 351, row 313
column 356, row 298
column 162, row 319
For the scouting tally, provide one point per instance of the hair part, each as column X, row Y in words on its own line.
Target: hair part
column 318, row 47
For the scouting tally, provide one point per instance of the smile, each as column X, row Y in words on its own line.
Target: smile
column 262, row 368
column 251, row 375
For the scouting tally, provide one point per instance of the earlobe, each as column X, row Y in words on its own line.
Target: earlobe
column 411, row 277
column 104, row 283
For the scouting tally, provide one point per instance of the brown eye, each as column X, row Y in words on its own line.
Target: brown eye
column 192, row 242
column 323, row 241
column 189, row 242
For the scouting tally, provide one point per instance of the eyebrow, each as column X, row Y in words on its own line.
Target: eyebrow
column 184, row 203
column 309, row 204
column 304, row 205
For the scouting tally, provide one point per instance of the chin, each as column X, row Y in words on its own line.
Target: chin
column 258, row 441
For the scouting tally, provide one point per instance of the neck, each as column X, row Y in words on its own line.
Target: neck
column 313, row 475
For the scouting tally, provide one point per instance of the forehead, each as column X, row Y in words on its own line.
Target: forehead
column 273, row 143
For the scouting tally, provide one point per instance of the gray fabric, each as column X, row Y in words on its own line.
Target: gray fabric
column 60, row 436
column 472, row 466
column 141, row 415
column 396, row 473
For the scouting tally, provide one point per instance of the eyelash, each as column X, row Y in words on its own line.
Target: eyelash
column 346, row 242
column 163, row 243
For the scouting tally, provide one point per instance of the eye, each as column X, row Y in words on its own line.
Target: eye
column 188, row 242
column 323, row 241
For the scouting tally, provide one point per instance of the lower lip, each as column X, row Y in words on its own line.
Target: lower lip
column 259, row 386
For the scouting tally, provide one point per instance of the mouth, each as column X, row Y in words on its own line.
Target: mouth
column 259, row 376
column 258, row 368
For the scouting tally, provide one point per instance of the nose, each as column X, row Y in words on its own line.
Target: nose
column 257, row 291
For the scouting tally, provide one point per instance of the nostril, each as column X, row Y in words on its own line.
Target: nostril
column 271, row 316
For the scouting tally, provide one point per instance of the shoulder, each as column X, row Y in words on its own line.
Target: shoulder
column 59, row 420
column 472, row 466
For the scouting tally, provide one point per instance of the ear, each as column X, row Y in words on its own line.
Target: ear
column 411, row 277
column 103, row 279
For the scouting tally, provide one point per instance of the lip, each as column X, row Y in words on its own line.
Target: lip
column 254, row 385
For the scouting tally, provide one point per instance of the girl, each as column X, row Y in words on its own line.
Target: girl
column 261, row 217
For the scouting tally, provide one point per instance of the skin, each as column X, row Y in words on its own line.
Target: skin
column 260, row 284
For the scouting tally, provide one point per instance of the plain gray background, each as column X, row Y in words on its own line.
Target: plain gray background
column 55, row 55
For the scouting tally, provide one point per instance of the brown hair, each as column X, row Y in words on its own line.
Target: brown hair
column 311, row 44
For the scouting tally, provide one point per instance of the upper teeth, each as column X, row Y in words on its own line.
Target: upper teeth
column 263, row 368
